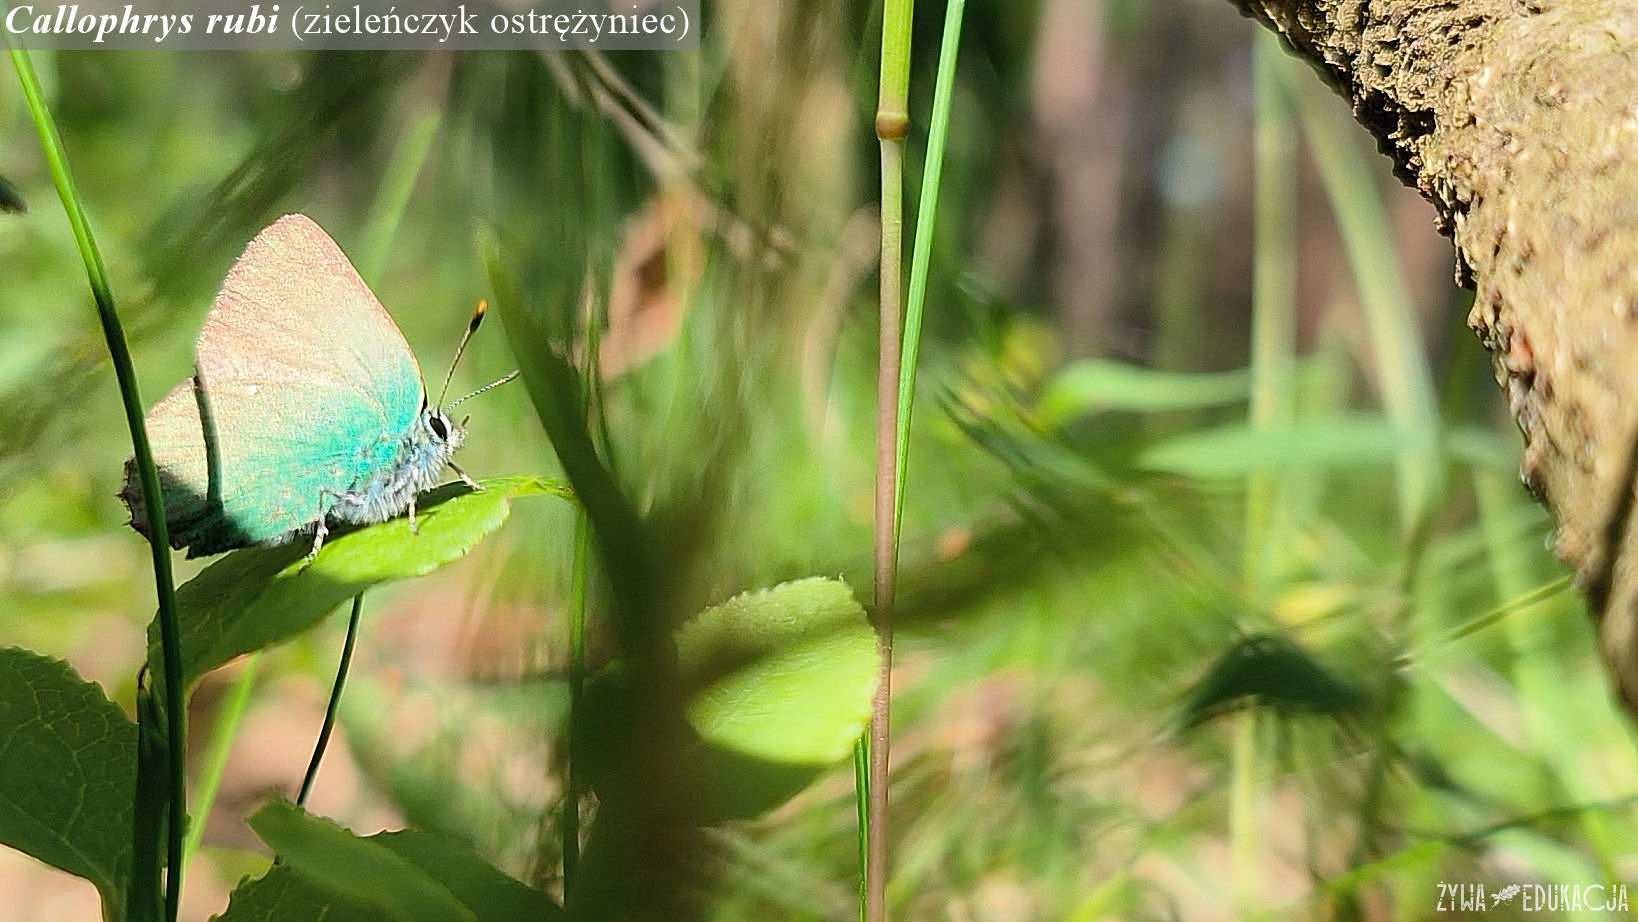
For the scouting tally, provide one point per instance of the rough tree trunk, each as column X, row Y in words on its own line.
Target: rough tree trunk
column 1518, row 120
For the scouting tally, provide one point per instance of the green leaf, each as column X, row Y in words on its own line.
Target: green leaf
column 480, row 886
column 1269, row 670
column 1239, row 449
column 257, row 596
column 286, row 893
column 784, row 674
column 1336, row 441
column 359, row 871
column 776, row 687
column 1479, row 447
column 67, row 772
column 281, row 895
column 1097, row 385
column 556, row 391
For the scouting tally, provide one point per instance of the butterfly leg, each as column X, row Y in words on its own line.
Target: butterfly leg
column 320, row 530
column 472, row 484
column 414, row 529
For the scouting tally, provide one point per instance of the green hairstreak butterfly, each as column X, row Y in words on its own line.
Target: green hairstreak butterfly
column 306, row 408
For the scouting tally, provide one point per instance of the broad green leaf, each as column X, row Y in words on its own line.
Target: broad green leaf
column 359, row 871
column 1269, row 670
column 1098, row 385
column 776, row 687
column 784, row 674
column 258, row 596
column 284, row 895
column 67, row 772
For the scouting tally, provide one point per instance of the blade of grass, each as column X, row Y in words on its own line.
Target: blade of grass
column 222, row 734
column 397, row 183
column 1273, row 348
column 861, row 800
column 1273, row 294
column 1430, row 648
column 921, row 248
column 1384, row 294
column 892, row 126
column 158, row 535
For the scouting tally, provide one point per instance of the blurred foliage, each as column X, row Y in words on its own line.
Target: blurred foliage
column 1075, row 542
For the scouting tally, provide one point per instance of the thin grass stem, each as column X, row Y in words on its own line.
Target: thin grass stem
column 334, row 703
column 885, row 545
column 147, row 474
column 892, row 125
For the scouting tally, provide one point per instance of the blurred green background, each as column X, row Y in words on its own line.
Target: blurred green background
column 1220, row 596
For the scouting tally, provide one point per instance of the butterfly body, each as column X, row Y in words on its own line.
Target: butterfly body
column 306, row 407
column 419, row 466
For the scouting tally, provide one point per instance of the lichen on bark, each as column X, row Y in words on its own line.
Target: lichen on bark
column 1518, row 120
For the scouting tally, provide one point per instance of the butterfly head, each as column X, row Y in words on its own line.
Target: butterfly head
column 438, row 429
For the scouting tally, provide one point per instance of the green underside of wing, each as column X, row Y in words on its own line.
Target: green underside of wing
column 236, row 471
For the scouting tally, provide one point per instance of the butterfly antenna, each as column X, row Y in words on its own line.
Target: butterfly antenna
column 487, row 387
column 477, row 318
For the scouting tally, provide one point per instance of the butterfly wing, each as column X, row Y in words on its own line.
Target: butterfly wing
column 185, row 462
column 303, row 386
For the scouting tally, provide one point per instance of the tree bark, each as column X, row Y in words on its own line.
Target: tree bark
column 1518, row 120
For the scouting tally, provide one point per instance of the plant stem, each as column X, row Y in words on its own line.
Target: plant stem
column 892, row 125
column 149, row 806
column 147, row 474
column 335, row 702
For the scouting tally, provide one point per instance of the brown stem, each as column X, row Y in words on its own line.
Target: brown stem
column 887, row 413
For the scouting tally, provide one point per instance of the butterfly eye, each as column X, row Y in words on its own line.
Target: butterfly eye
column 438, row 426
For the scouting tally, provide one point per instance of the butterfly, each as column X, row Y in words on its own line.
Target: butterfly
column 306, row 408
